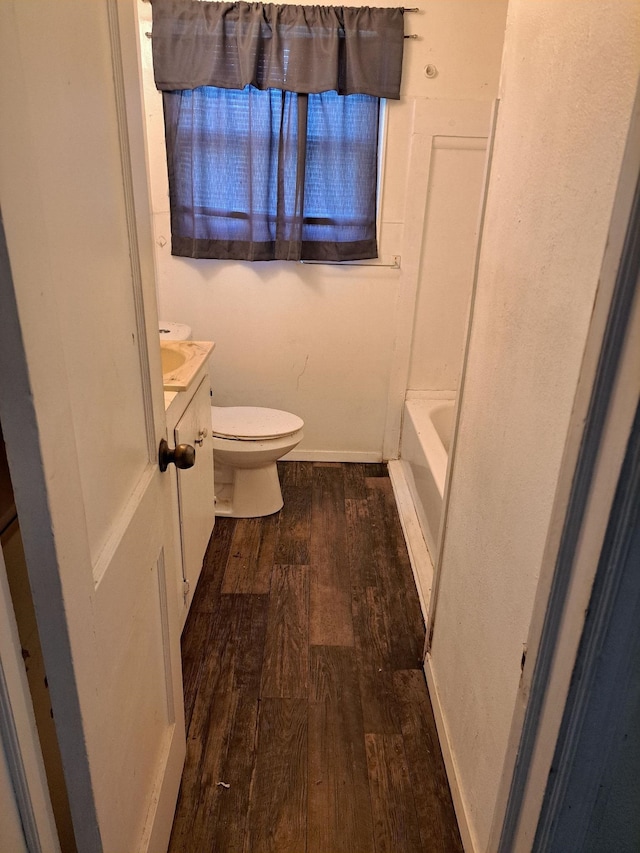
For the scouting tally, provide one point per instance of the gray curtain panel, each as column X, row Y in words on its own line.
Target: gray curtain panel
column 301, row 49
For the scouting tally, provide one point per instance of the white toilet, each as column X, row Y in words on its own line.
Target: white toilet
column 247, row 443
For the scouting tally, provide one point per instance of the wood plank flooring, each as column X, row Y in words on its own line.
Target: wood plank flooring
column 309, row 726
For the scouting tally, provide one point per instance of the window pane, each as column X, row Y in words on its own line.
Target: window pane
column 244, row 184
column 341, row 167
column 223, row 169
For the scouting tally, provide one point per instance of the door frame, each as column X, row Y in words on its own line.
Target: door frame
column 18, row 734
column 446, row 498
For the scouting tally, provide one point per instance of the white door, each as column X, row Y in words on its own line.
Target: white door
column 81, row 405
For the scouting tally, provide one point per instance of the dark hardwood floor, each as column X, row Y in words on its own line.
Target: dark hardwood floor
column 309, row 726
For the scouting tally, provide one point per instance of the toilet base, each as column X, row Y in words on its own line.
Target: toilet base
column 253, row 492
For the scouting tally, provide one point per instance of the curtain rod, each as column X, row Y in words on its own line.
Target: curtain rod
column 405, row 9
column 412, row 36
column 392, row 266
column 413, row 9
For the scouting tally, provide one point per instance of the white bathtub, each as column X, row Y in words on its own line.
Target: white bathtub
column 424, row 448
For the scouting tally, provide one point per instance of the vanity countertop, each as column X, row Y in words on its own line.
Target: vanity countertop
column 183, row 363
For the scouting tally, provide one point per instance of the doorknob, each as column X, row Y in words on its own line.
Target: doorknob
column 182, row 456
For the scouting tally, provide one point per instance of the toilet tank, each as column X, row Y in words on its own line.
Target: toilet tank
column 173, row 331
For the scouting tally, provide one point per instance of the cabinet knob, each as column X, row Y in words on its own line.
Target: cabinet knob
column 182, row 456
column 202, row 434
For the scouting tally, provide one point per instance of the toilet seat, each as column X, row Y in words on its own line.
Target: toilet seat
column 252, row 423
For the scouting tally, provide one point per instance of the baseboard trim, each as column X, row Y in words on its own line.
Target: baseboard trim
column 332, row 456
column 419, row 556
column 468, row 840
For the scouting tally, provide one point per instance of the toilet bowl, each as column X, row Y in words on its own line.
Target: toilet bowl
column 247, row 442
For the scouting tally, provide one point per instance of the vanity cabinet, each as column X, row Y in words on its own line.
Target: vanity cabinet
column 195, row 489
column 188, row 415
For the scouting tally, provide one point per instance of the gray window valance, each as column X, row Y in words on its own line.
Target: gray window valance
column 303, row 49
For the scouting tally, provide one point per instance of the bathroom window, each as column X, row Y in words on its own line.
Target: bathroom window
column 273, row 155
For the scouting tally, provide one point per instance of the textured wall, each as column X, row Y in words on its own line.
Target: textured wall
column 568, row 81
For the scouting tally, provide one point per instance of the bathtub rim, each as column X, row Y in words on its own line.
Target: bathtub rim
column 438, row 454
column 417, row 531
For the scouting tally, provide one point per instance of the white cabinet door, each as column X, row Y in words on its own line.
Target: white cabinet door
column 82, row 411
column 195, row 488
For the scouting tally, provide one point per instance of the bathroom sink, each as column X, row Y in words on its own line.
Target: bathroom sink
column 181, row 362
column 171, row 359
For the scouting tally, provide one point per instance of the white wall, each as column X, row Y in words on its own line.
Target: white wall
column 568, row 81
column 323, row 341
